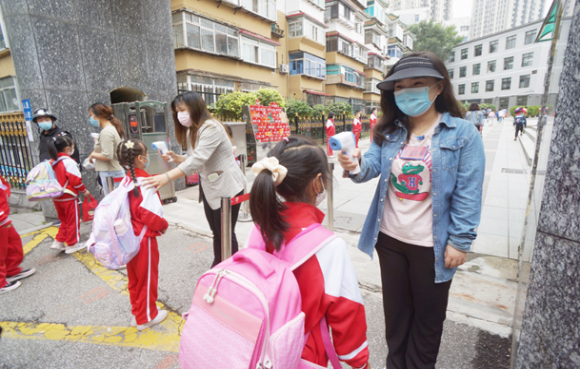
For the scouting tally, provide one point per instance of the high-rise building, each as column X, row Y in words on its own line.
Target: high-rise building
column 415, row 11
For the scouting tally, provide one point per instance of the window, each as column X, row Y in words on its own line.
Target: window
column 8, row 97
column 308, row 64
column 521, row 100
column 506, row 83
column 376, row 62
column 304, row 27
column 525, row 81
column 371, row 86
column 452, row 57
column 450, row 71
column 530, row 37
column 462, row 72
column 493, row 46
column 489, row 85
column 348, row 75
column 478, row 50
column 205, row 35
column 491, row 66
column 257, row 52
column 264, row 8
column 319, row 3
column 527, row 59
column 476, row 69
column 464, row 53
column 295, row 29
column 510, row 42
column 461, row 90
column 3, row 43
column 209, row 88
column 508, row 63
column 474, row 87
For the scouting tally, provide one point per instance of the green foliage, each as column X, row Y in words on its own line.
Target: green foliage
column 297, row 107
column 340, row 108
column 488, row 106
column 533, row 111
column 229, row 106
column 435, row 37
column 319, row 110
column 270, row 95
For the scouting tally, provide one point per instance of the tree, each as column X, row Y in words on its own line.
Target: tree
column 269, row 95
column 298, row 108
column 435, row 37
column 229, row 106
column 340, row 108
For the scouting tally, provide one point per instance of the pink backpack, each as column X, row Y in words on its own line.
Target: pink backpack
column 246, row 311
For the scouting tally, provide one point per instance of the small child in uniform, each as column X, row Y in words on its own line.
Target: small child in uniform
column 60, row 149
column 146, row 210
column 11, row 253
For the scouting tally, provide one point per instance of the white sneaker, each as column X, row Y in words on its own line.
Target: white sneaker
column 74, row 248
column 10, row 287
column 23, row 274
column 158, row 319
column 58, row 246
column 134, row 320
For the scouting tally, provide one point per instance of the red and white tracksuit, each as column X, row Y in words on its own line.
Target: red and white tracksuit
column 11, row 253
column 373, row 122
column 356, row 129
column 329, row 287
column 330, row 131
column 67, row 207
column 143, row 269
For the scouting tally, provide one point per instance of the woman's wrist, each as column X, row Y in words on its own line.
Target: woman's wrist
column 168, row 177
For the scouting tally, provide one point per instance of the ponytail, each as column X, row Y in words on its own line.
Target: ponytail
column 265, row 208
column 127, row 151
column 57, row 145
column 103, row 111
column 132, row 170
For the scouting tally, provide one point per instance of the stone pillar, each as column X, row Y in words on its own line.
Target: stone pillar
column 69, row 54
column 550, row 335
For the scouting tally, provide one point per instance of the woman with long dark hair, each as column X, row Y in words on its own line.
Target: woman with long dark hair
column 475, row 116
column 427, row 205
column 104, row 154
column 209, row 152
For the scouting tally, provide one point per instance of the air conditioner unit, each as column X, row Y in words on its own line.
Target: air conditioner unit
column 284, row 68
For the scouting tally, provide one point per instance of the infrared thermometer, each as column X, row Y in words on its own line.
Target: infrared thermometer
column 161, row 146
column 346, row 143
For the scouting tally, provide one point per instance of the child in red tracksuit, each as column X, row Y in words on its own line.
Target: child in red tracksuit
column 356, row 126
column 146, row 211
column 11, row 253
column 60, row 149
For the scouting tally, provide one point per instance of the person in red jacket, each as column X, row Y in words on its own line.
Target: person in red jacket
column 60, row 149
column 356, row 126
column 373, row 121
column 330, row 131
column 297, row 170
column 146, row 211
column 11, row 253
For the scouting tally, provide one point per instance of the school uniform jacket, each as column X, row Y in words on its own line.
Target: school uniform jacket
column 67, row 172
column 329, row 287
column 146, row 210
column 4, row 204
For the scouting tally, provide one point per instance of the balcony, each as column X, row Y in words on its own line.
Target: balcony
column 277, row 31
column 339, row 79
column 347, row 22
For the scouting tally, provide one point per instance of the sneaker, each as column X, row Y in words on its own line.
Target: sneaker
column 158, row 319
column 134, row 320
column 23, row 274
column 58, row 246
column 74, row 248
column 10, row 286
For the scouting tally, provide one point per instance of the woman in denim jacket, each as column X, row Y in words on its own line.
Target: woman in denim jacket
column 427, row 204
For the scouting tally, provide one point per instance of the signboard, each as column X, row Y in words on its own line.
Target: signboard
column 265, row 127
column 28, row 118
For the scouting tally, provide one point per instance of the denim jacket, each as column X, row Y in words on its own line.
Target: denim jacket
column 458, row 168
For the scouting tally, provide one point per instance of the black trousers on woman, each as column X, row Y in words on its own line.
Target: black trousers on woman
column 214, row 218
column 414, row 305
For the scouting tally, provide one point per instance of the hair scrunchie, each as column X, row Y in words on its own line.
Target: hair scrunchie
column 273, row 165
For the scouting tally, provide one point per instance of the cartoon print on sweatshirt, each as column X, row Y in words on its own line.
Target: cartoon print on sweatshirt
column 411, row 173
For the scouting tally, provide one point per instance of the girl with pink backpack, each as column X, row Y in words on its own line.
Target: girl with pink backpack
column 297, row 171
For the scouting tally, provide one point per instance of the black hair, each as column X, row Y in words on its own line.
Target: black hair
column 58, row 144
column 304, row 160
column 331, row 115
column 127, row 157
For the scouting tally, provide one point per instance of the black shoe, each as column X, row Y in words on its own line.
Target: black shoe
column 23, row 274
column 10, row 286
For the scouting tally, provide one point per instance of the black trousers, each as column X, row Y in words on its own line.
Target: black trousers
column 214, row 218
column 414, row 305
column 519, row 128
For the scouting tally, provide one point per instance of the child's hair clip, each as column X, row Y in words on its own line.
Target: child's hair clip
column 129, row 144
column 54, row 139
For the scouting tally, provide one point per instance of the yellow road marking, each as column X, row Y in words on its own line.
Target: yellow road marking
column 165, row 336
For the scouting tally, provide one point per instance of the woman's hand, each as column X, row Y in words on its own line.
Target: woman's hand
column 156, row 182
column 178, row 159
column 345, row 161
column 454, row 257
column 92, row 157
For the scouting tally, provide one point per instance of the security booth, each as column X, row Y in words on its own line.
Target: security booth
column 146, row 121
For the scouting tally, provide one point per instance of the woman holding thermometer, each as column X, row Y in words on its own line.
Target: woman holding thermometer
column 209, row 153
column 422, row 220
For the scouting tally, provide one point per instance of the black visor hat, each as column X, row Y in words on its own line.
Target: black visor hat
column 411, row 67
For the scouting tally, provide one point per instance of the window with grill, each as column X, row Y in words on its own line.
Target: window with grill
column 491, row 66
column 493, row 46
column 510, row 42
column 476, row 69
column 489, row 85
column 464, row 53
column 450, row 71
column 461, row 90
column 462, row 72
column 474, row 87
column 478, row 49
column 527, row 59
column 205, row 35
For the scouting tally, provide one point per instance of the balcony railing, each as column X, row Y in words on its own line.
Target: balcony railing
column 341, row 79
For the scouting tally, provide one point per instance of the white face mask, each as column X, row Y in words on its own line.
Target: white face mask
column 72, row 151
column 184, row 118
column 320, row 197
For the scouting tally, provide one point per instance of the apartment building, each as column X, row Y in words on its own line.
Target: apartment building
column 9, row 99
column 507, row 68
column 376, row 35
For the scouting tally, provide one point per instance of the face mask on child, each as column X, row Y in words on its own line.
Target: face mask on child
column 184, row 118
column 147, row 162
column 320, row 196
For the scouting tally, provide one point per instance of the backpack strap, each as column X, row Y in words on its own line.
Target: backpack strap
column 328, row 346
column 305, row 245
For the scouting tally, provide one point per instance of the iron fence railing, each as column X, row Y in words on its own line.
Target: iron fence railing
column 315, row 127
column 15, row 154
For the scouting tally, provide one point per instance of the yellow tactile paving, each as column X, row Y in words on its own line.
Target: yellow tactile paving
column 164, row 337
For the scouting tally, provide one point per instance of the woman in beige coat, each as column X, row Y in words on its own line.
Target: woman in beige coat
column 209, row 153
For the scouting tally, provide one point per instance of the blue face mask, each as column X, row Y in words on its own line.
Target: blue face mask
column 47, row 126
column 413, row 101
column 147, row 163
column 94, row 122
